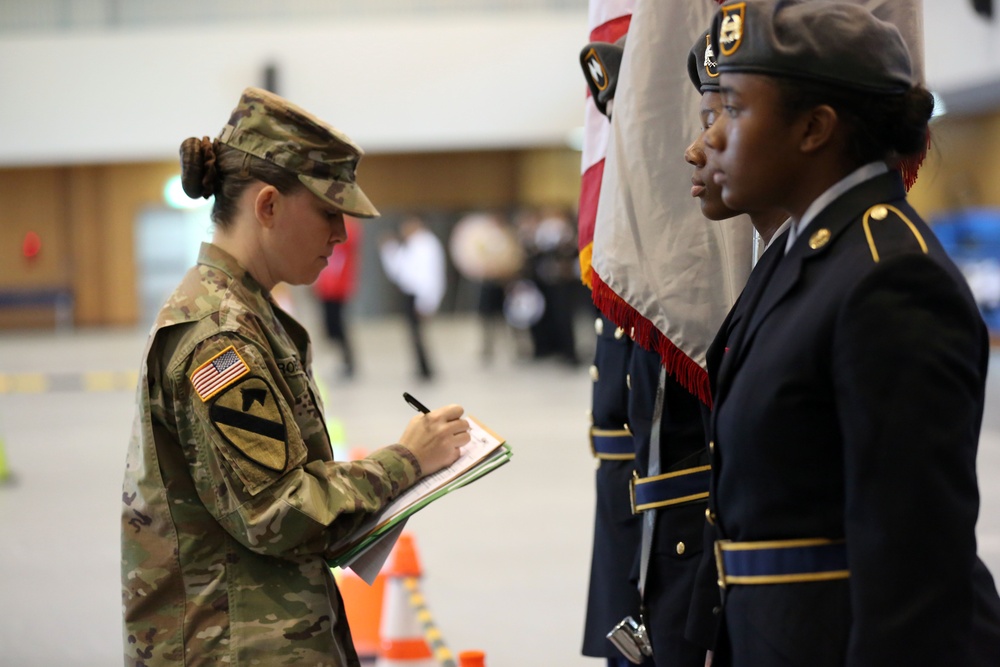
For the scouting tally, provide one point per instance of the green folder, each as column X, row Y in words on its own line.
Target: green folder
column 370, row 532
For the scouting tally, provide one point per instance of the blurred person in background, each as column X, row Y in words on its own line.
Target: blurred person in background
column 335, row 287
column 414, row 260
column 485, row 250
column 553, row 265
column 231, row 502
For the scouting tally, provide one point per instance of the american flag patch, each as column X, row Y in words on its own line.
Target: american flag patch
column 218, row 373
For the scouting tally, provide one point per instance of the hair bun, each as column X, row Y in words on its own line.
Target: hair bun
column 909, row 133
column 198, row 173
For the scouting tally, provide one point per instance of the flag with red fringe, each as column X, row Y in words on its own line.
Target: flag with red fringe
column 658, row 268
column 661, row 270
column 608, row 22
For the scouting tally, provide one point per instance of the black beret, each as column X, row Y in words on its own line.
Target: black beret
column 600, row 62
column 829, row 42
column 702, row 66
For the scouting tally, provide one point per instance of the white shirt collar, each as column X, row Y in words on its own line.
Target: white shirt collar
column 778, row 232
column 859, row 175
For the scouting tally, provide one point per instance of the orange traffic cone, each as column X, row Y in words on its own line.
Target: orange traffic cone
column 403, row 642
column 363, row 606
column 471, row 659
column 362, row 603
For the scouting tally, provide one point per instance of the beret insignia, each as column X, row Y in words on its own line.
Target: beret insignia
column 596, row 70
column 731, row 32
column 709, row 63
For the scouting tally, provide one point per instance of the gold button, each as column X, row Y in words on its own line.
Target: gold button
column 619, row 332
column 628, row 381
column 593, row 373
column 711, row 447
column 819, row 239
column 710, row 516
column 879, row 213
column 598, row 326
column 680, row 548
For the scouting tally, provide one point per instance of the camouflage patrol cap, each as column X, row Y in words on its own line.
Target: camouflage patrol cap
column 702, row 65
column 272, row 128
column 836, row 43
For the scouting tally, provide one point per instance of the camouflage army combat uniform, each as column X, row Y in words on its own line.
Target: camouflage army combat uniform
column 231, row 499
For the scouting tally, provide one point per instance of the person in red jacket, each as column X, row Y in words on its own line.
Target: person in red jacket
column 335, row 287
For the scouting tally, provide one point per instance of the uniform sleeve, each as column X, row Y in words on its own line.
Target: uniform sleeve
column 250, row 463
column 909, row 365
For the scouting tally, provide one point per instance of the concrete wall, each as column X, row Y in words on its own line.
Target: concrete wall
column 434, row 82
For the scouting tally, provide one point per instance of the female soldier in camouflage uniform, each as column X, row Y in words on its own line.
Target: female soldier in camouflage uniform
column 232, row 501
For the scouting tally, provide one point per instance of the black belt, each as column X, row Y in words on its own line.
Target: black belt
column 670, row 488
column 614, row 445
column 780, row 561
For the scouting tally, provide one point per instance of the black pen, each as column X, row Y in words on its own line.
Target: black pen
column 415, row 404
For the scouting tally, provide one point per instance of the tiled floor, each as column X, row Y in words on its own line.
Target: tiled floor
column 505, row 560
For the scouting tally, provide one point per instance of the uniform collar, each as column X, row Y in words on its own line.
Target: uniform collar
column 212, row 255
column 859, row 175
column 272, row 314
column 778, row 232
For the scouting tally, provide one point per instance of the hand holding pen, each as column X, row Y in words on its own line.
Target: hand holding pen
column 414, row 403
column 435, row 436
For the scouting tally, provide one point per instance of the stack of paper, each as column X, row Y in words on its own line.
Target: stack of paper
column 369, row 545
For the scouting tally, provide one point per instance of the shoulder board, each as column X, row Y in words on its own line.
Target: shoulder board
column 886, row 213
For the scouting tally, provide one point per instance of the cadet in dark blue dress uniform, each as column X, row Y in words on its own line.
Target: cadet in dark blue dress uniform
column 770, row 226
column 612, row 593
column 672, row 500
column 673, row 495
column 849, row 396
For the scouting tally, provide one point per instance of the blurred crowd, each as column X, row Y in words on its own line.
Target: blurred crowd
column 522, row 266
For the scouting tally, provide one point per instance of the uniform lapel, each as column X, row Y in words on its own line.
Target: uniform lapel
column 730, row 336
column 715, row 354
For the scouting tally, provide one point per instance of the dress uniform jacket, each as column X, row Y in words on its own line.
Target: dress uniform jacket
column 231, row 499
column 678, row 528
column 612, row 594
column 848, row 403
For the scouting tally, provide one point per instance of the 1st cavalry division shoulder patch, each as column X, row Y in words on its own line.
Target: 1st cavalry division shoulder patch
column 249, row 418
column 218, row 373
